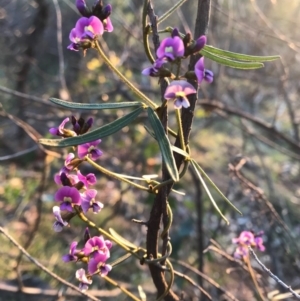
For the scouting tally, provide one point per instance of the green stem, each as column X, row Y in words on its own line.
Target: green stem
column 123, row 289
column 170, row 11
column 145, row 99
column 180, row 130
column 146, row 30
column 103, row 232
column 115, row 176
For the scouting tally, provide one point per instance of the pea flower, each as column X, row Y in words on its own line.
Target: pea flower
column 178, row 90
column 96, row 264
column 84, row 280
column 154, row 70
column 86, row 29
column 88, row 201
column 246, row 239
column 89, row 179
column 170, row 48
column 202, row 73
column 68, row 196
column 97, row 245
column 72, row 253
column 89, row 148
column 61, row 131
column 59, row 223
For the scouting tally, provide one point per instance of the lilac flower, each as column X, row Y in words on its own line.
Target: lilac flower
column 96, row 264
column 82, row 8
column 97, row 245
column 178, row 90
column 241, row 252
column 60, row 130
column 84, row 280
column 89, row 179
column 68, row 196
column 245, row 238
column 170, row 48
column 88, row 201
column 65, row 179
column 72, row 253
column 200, row 43
column 59, row 223
column 89, row 148
column 202, row 73
column 154, row 70
column 259, row 243
column 85, row 29
column 106, row 20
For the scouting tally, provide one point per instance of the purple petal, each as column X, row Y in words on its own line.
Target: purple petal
column 66, row 206
column 208, row 76
column 82, row 150
column 67, row 192
column 81, row 6
column 97, row 206
column 95, row 27
column 108, row 25
column 200, row 43
column 81, row 276
column 105, row 269
column 96, row 153
column 85, row 205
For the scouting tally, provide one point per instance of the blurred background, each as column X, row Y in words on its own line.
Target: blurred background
column 245, row 136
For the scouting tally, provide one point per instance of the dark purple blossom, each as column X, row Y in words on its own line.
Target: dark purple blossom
column 170, row 48
column 97, row 264
column 85, row 29
column 89, row 149
column 61, row 131
column 88, row 201
column 199, row 44
column 84, row 280
column 97, row 244
column 106, row 19
column 64, row 178
column 178, row 90
column 89, row 179
column 154, row 70
column 68, row 196
column 59, row 223
column 202, row 73
column 72, row 253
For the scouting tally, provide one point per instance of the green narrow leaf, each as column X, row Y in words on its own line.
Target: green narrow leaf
column 240, row 56
column 214, row 185
column 164, row 144
column 99, row 133
column 95, row 106
column 231, row 63
column 208, row 193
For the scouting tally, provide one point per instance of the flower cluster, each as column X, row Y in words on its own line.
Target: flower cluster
column 75, row 193
column 246, row 239
column 95, row 253
column 92, row 24
column 172, row 50
column 74, row 186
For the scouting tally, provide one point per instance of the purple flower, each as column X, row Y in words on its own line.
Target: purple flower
column 60, row 130
column 241, row 252
column 259, row 243
column 154, row 70
column 97, row 243
column 170, row 48
column 96, row 264
column 82, row 8
column 200, row 43
column 178, row 90
column 245, row 238
column 202, row 73
column 72, row 253
column 88, row 201
column 84, row 280
column 59, row 223
column 106, row 12
column 68, row 196
column 89, row 179
column 65, row 179
column 89, row 148
column 85, row 29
